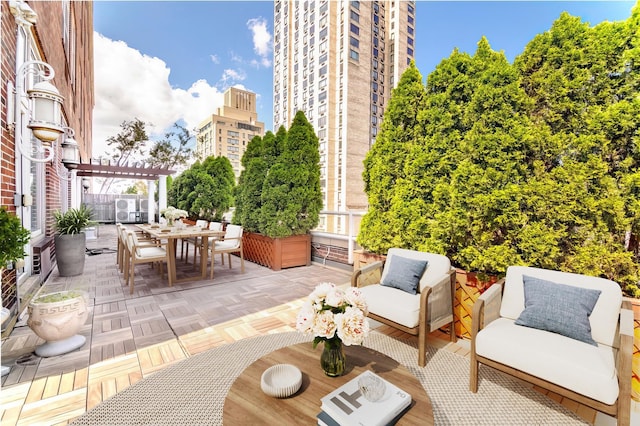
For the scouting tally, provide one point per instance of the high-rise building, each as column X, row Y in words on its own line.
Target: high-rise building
column 338, row 61
column 228, row 132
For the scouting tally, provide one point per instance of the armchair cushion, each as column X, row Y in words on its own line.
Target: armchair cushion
column 388, row 302
column 558, row 308
column 585, row 369
column 603, row 318
column 404, row 273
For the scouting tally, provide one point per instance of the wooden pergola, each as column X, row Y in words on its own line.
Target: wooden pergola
column 139, row 171
column 105, row 169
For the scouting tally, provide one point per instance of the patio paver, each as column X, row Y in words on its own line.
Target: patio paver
column 130, row 337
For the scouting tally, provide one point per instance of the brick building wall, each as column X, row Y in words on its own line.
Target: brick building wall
column 74, row 78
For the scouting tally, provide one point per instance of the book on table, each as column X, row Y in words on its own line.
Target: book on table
column 347, row 406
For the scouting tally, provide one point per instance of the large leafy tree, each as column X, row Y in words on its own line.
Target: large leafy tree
column 584, row 83
column 129, row 146
column 291, row 194
column 126, row 146
column 205, row 190
column 172, row 151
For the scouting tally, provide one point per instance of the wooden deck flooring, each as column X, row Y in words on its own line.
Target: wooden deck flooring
column 130, row 337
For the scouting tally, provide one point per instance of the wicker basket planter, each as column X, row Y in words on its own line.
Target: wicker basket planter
column 468, row 289
column 277, row 253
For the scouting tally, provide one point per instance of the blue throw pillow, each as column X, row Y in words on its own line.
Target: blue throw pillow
column 404, row 273
column 558, row 308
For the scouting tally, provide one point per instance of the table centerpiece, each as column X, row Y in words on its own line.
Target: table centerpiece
column 336, row 317
column 171, row 214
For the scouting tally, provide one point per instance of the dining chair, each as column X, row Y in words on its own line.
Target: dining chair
column 231, row 243
column 195, row 241
column 145, row 252
column 121, row 247
column 122, row 257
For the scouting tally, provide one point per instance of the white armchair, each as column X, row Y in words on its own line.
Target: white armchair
column 392, row 301
column 568, row 333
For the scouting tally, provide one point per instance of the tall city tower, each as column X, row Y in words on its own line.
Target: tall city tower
column 338, row 61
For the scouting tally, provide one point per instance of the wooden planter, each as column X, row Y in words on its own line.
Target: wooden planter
column 363, row 257
column 277, row 253
column 635, row 366
column 468, row 289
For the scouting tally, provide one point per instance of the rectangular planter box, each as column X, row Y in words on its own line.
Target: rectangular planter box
column 362, row 258
column 277, row 253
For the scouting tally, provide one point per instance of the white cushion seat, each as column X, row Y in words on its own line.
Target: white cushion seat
column 146, row 252
column 195, row 241
column 390, row 302
column 584, row 368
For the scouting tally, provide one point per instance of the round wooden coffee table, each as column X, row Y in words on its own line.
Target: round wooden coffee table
column 247, row 404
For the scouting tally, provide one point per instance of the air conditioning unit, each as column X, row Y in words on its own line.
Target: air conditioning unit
column 144, row 210
column 124, row 208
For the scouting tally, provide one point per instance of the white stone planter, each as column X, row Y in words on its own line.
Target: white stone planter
column 58, row 323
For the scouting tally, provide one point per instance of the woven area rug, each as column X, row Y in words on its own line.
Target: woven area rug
column 192, row 392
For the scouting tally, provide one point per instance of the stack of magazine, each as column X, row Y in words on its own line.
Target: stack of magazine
column 347, row 406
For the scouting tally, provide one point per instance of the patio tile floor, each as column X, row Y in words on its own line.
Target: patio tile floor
column 130, row 337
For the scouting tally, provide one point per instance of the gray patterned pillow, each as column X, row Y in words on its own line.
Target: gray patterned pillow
column 559, row 308
column 404, row 273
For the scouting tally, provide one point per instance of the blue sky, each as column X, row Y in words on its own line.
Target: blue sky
column 168, row 61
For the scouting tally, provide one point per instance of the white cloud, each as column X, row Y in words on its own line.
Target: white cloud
column 261, row 41
column 235, row 57
column 131, row 85
column 231, row 76
column 215, row 59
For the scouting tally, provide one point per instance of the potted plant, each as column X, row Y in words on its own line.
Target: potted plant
column 279, row 197
column 13, row 238
column 70, row 240
column 57, row 318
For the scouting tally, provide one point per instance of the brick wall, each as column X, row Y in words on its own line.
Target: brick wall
column 76, row 88
column 7, row 145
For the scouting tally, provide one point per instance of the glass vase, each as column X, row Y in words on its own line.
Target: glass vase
column 170, row 222
column 332, row 359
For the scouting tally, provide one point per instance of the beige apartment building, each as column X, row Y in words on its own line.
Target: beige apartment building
column 228, row 132
column 338, row 61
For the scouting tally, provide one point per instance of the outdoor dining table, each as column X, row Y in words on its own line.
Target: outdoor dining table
column 172, row 235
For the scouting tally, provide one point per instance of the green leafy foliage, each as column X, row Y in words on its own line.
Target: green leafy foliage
column 291, row 195
column 205, row 190
column 172, row 150
column 13, row 238
column 58, row 297
column 73, row 221
column 279, row 193
column 534, row 163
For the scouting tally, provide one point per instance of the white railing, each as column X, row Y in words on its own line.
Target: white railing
column 333, row 227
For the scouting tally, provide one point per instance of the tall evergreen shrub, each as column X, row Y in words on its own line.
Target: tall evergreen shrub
column 534, row 163
column 291, row 195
